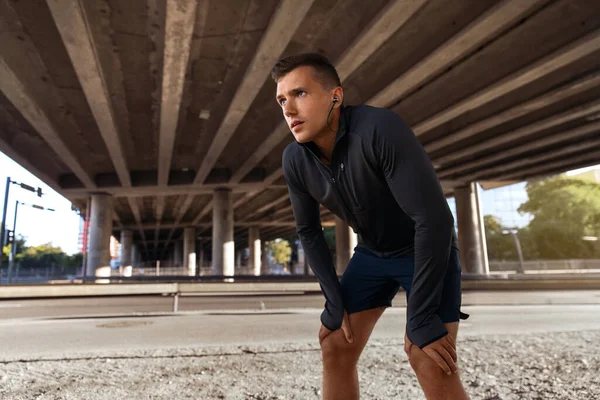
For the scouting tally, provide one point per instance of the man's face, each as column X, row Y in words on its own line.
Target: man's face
column 305, row 103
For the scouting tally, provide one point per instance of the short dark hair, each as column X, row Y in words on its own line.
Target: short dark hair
column 325, row 72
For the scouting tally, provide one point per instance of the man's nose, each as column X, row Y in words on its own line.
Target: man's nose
column 289, row 109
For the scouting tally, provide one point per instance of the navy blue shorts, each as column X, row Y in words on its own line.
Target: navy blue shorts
column 371, row 282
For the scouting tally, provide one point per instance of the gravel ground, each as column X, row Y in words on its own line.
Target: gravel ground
column 536, row 367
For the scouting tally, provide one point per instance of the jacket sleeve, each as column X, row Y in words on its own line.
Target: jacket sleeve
column 310, row 232
column 415, row 186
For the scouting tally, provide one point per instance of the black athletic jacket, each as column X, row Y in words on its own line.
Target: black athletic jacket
column 380, row 181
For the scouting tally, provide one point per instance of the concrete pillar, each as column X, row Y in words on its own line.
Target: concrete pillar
column 254, row 246
column 189, row 251
column 238, row 258
column 223, row 246
column 171, row 254
column 178, row 253
column 200, row 256
column 302, row 262
column 135, row 256
column 126, row 247
column 471, row 233
column 98, row 259
column 345, row 242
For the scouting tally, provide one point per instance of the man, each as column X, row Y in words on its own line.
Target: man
column 367, row 167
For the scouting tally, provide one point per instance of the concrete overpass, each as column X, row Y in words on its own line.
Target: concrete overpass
column 158, row 117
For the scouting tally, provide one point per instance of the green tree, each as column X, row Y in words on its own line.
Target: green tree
column 565, row 211
column 500, row 246
column 329, row 234
column 281, row 250
column 43, row 256
column 21, row 247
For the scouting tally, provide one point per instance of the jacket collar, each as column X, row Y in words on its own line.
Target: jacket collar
column 341, row 132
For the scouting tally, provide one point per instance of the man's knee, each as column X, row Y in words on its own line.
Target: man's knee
column 335, row 349
column 423, row 365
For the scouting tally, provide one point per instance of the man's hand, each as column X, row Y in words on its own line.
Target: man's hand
column 324, row 332
column 442, row 351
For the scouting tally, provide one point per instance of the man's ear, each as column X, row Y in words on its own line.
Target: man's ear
column 338, row 94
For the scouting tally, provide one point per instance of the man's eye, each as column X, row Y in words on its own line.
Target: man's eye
column 301, row 93
column 281, row 102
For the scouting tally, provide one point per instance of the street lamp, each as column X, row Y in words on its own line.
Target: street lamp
column 513, row 233
column 3, row 235
column 13, row 247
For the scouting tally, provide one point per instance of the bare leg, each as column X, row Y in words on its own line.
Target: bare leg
column 435, row 383
column 340, row 358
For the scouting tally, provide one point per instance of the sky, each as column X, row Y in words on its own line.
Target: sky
column 61, row 227
column 503, row 203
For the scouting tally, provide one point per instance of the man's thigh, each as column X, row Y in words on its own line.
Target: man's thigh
column 361, row 324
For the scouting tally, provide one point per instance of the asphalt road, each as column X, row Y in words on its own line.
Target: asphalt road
column 73, row 327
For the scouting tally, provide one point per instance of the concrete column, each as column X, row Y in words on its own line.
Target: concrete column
column 126, row 247
column 200, row 246
column 98, row 259
column 345, row 241
column 189, row 251
column 178, row 253
column 265, row 266
column 471, row 233
column 254, row 245
column 238, row 258
column 171, row 258
column 135, row 256
column 223, row 249
column 302, row 260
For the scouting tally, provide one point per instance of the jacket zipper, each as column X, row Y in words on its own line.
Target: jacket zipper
column 337, row 190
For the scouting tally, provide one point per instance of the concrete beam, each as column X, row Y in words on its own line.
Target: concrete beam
column 21, row 98
column 559, row 166
column 286, row 212
column 248, row 196
column 142, row 191
column 281, row 29
column 389, row 20
column 172, row 225
column 208, row 208
column 528, row 130
column 553, row 62
column 282, row 26
column 179, row 27
column 539, row 103
column 480, row 31
column 503, row 140
column 501, row 170
column 74, row 27
column 272, row 177
column 117, row 219
column 272, row 203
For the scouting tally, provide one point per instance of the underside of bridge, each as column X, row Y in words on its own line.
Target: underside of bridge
column 161, row 103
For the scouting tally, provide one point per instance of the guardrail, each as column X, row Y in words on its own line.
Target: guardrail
column 215, row 286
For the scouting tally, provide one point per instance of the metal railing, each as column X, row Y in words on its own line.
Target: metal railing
column 546, row 265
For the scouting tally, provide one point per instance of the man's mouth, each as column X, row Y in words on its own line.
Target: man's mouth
column 296, row 123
